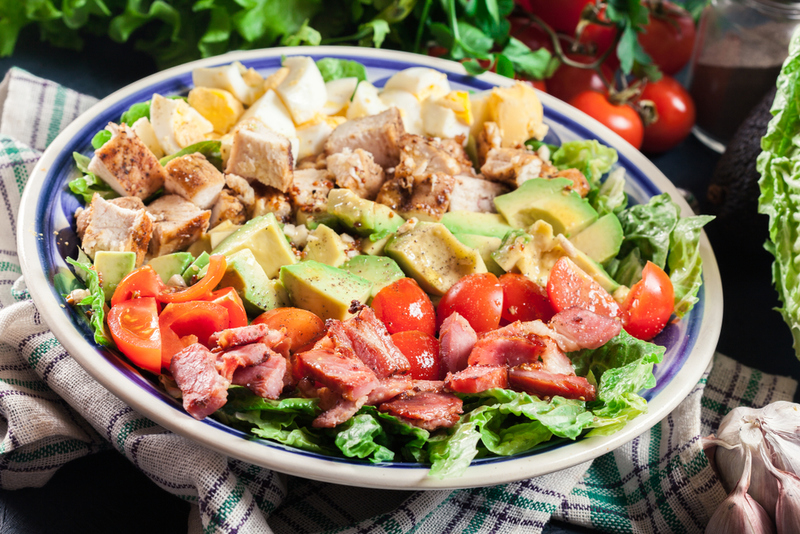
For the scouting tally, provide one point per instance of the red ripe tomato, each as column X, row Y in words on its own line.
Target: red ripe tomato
column 600, row 38
column 422, row 352
column 203, row 287
column 569, row 286
column 229, row 299
column 183, row 323
column 622, row 119
column 523, row 300
column 302, row 326
column 134, row 327
column 568, row 82
column 561, row 15
column 676, row 115
column 476, row 297
column 530, row 33
column 669, row 36
column 649, row 305
column 142, row 282
column 403, row 305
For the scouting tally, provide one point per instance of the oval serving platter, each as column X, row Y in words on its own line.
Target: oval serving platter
column 46, row 235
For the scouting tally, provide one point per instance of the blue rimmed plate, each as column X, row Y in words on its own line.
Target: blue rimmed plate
column 46, row 236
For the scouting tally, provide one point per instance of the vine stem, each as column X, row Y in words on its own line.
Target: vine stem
column 425, row 9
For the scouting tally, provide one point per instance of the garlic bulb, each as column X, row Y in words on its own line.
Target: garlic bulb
column 771, row 434
column 740, row 513
column 787, row 510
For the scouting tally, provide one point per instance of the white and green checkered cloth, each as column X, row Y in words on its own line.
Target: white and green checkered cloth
column 53, row 411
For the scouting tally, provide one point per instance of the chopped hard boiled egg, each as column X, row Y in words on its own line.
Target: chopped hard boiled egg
column 303, row 90
column 177, row 124
column 421, row 82
column 518, row 112
column 229, row 77
column 313, row 134
column 144, row 131
column 219, row 106
column 366, row 101
column 458, row 101
column 409, row 106
column 441, row 121
column 339, row 93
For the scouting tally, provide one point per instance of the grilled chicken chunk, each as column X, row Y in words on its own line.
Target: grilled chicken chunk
column 195, row 179
column 177, row 224
column 127, row 165
column 455, row 148
column 513, row 166
column 475, row 194
column 579, row 182
column 270, row 200
column 242, row 189
column 356, row 170
column 259, row 154
column 377, row 134
column 489, row 137
column 121, row 224
column 227, row 208
column 309, row 191
column 420, row 157
column 426, row 198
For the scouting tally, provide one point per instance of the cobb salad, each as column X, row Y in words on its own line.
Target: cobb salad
column 398, row 274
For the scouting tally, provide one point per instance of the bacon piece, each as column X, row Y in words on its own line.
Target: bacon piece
column 373, row 345
column 389, row 388
column 552, row 345
column 426, row 410
column 587, row 329
column 545, row 384
column 456, row 339
column 277, row 340
column 432, row 386
column 497, row 350
column 340, row 412
column 243, row 356
column 204, row 390
column 265, row 379
column 336, row 339
column 477, row 378
column 349, row 377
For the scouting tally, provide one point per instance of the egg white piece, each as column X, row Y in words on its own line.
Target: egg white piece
column 303, row 90
column 176, row 124
column 313, row 134
column 440, row 121
column 228, row 77
column 421, row 82
column 339, row 93
column 144, row 131
column 409, row 106
column 366, row 101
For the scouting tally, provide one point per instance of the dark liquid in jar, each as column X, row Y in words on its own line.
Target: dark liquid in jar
column 724, row 96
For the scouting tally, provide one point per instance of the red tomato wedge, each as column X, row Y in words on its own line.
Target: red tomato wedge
column 231, row 301
column 302, row 326
column 203, row 287
column 422, row 352
column 649, row 305
column 183, row 319
column 476, row 297
column 403, row 305
column 569, row 286
column 523, row 300
column 135, row 329
column 141, row 282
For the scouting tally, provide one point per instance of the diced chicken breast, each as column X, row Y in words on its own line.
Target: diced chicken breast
column 242, row 189
column 144, row 131
column 309, row 191
column 195, row 179
column 177, row 224
column 475, row 194
column 420, row 157
column 579, row 182
column 318, row 162
column 270, row 200
column 126, row 164
column 303, row 89
column 357, row 171
column 377, row 134
column 366, row 101
column 455, row 147
column 409, row 106
column 262, row 155
column 227, row 208
column 489, row 137
column 177, row 124
column 427, row 199
column 110, row 225
column 512, row 166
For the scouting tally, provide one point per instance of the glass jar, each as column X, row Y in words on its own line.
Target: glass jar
column 737, row 56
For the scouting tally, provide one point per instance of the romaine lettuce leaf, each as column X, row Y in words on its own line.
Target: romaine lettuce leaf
column 100, row 138
column 96, row 300
column 648, row 227
column 589, row 157
column 685, row 264
column 610, row 197
column 86, row 185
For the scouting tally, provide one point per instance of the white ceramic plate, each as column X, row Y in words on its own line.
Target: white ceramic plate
column 46, row 236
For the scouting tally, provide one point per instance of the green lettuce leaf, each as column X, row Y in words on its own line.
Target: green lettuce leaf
column 648, row 227
column 96, row 301
column 360, row 437
column 86, row 185
column 685, row 264
column 610, row 197
column 334, row 69
column 100, row 138
column 589, row 157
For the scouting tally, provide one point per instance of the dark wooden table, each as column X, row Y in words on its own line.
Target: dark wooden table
column 90, row 494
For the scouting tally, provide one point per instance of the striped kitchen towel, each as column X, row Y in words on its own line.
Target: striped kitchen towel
column 53, row 411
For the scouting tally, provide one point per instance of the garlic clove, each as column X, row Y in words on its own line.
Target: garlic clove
column 787, row 507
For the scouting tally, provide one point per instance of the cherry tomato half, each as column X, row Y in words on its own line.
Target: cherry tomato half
column 649, row 305
column 229, row 299
column 196, row 320
column 422, row 352
column 135, row 329
column 523, row 300
column 676, row 115
column 622, row 119
column 403, row 305
column 203, row 287
column 569, row 286
column 303, row 327
column 141, row 282
column 669, row 36
column 476, row 297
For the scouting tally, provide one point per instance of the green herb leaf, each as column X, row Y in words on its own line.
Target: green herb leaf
column 100, row 138
column 305, row 35
column 539, row 64
column 334, row 69
column 210, row 149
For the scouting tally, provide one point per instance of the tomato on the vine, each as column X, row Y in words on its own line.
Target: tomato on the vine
column 531, row 34
column 676, row 114
column 567, row 82
column 422, row 352
column 476, row 297
column 668, row 37
column 599, row 38
column 134, row 326
column 649, row 305
column 569, row 286
column 403, row 305
column 523, row 300
column 562, row 15
column 620, row 118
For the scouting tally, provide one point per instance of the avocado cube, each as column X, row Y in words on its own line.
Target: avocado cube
column 194, row 269
column 218, row 234
column 200, row 246
column 112, row 267
column 169, row 265
column 476, row 223
column 364, row 217
column 430, row 254
column 326, row 246
column 485, row 245
column 601, row 240
column 547, row 200
column 264, row 237
column 374, row 248
column 324, row 290
column 379, row 270
column 245, row 275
